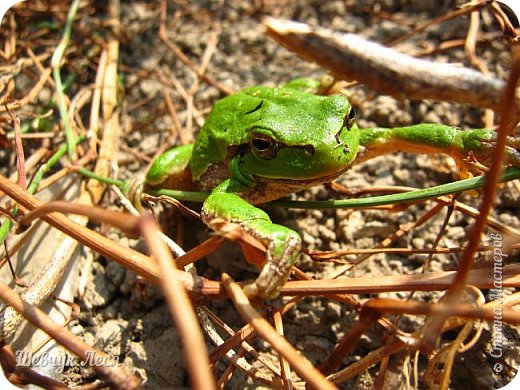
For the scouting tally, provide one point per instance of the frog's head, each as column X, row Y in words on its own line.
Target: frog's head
column 297, row 137
column 278, row 135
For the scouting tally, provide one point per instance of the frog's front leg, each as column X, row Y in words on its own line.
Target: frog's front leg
column 469, row 148
column 283, row 244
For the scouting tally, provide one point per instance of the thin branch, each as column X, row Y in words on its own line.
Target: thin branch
column 351, row 57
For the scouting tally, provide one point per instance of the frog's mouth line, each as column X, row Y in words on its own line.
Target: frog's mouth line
column 301, row 182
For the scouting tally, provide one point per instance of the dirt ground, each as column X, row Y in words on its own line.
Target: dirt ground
column 129, row 319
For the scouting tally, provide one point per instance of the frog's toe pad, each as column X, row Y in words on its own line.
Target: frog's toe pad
column 256, row 291
column 251, row 290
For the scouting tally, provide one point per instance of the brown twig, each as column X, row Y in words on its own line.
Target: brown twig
column 125, row 256
column 504, row 21
column 327, row 255
column 177, row 128
column 348, row 342
column 377, row 355
column 23, row 375
column 209, row 246
column 443, row 18
column 195, row 353
column 125, row 222
column 429, row 281
column 301, row 365
column 110, row 369
column 20, row 157
column 247, row 332
column 366, row 362
column 467, row 258
column 470, row 46
column 285, row 369
column 444, row 309
column 163, row 33
column 110, row 136
column 351, row 57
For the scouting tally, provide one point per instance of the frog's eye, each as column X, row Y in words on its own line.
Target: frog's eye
column 264, row 147
column 350, row 118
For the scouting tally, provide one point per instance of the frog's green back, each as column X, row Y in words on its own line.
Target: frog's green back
column 290, row 116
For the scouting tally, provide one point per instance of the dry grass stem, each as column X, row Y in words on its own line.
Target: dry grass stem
column 302, row 366
column 195, row 353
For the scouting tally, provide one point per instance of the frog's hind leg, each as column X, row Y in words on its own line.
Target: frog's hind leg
column 172, row 169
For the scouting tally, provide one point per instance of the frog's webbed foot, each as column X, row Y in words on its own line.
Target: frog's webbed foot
column 283, row 245
column 283, row 250
column 135, row 192
column 479, row 159
column 512, row 151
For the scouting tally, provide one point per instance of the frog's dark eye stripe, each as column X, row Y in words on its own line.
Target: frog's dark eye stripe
column 352, row 113
column 264, row 147
column 350, row 118
column 348, row 122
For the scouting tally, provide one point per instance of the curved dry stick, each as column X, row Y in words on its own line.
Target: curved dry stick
column 351, row 57
column 125, row 256
column 194, row 351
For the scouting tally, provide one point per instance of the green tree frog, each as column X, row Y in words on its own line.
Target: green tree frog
column 263, row 143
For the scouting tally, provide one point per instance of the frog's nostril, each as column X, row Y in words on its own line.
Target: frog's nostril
column 346, row 149
column 309, row 149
